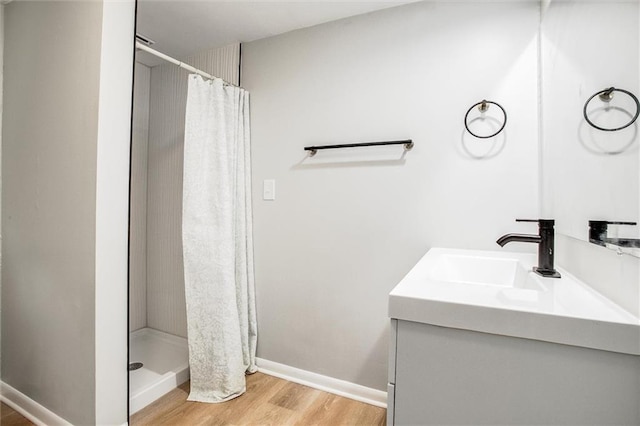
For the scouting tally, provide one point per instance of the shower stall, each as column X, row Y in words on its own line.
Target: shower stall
column 158, row 352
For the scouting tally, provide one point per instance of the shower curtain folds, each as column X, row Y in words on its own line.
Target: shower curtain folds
column 217, row 240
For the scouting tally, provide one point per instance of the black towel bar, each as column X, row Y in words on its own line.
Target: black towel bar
column 408, row 144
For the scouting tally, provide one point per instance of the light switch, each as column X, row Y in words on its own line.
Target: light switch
column 269, row 189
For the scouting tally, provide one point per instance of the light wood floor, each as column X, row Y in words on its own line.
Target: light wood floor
column 268, row 401
column 10, row 417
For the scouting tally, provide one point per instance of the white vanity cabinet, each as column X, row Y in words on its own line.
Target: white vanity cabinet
column 478, row 339
column 447, row 376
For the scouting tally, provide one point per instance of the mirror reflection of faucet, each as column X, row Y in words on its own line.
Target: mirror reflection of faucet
column 544, row 239
column 598, row 234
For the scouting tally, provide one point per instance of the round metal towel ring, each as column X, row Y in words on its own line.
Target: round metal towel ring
column 483, row 106
column 605, row 96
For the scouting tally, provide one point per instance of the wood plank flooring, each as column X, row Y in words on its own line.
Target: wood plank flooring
column 10, row 417
column 268, row 401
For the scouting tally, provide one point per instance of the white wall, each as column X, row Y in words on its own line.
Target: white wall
column 112, row 211
column 49, row 192
column 165, row 274
column 138, row 229
column 590, row 174
column 347, row 225
column 67, row 97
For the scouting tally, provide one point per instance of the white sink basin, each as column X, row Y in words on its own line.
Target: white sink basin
column 497, row 292
column 482, row 270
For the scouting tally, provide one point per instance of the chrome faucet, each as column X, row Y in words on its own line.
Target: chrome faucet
column 544, row 239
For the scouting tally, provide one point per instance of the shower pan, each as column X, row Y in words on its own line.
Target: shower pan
column 165, row 366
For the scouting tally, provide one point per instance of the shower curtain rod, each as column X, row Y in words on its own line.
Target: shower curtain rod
column 187, row 67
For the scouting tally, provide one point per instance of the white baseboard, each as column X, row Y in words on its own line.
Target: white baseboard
column 30, row 409
column 324, row 383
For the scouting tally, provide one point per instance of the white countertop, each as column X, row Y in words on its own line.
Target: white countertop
column 564, row 310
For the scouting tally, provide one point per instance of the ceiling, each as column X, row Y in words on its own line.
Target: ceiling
column 184, row 27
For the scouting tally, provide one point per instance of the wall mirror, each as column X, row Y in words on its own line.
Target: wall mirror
column 587, row 173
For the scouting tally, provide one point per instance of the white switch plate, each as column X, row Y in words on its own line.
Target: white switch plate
column 269, row 189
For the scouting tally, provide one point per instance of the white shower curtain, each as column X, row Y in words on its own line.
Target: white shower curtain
column 217, row 240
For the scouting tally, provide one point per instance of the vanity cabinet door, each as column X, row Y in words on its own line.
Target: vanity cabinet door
column 446, row 376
